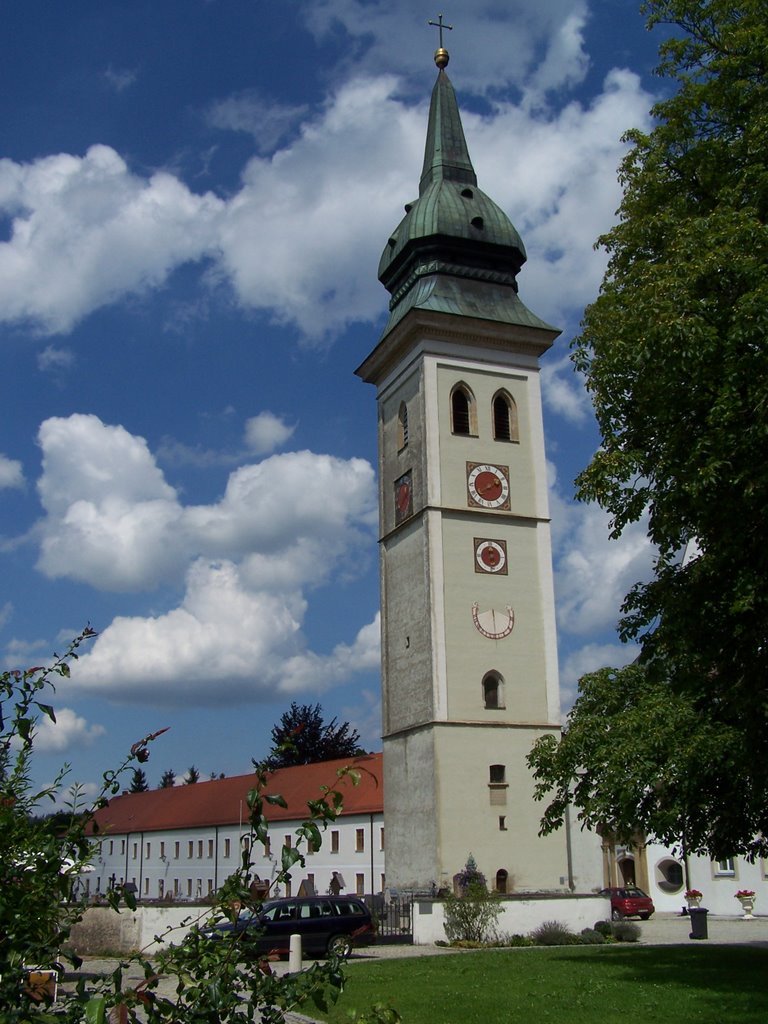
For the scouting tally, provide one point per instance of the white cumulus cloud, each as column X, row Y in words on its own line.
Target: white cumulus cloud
column 265, row 432
column 11, row 472
column 70, row 730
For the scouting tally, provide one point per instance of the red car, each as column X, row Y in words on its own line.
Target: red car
column 629, row 901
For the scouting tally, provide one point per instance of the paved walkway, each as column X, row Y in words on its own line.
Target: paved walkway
column 662, row 929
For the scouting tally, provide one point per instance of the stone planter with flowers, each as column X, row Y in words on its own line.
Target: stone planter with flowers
column 746, row 898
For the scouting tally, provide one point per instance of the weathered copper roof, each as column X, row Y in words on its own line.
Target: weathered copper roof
column 453, row 239
column 224, row 801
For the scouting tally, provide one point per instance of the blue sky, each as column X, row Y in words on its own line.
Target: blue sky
column 194, row 195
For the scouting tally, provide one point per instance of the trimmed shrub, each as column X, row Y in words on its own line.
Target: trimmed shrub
column 625, row 931
column 518, row 940
column 553, row 933
column 604, row 927
column 592, row 937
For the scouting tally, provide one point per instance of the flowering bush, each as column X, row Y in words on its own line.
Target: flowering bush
column 693, row 894
column 746, row 894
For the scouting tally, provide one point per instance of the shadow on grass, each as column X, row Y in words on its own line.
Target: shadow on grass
column 728, row 979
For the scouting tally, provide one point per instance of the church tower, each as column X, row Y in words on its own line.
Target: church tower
column 469, row 661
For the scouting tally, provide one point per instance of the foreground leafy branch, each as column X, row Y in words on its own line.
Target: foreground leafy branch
column 211, row 981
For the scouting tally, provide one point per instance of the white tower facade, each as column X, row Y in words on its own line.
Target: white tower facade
column 469, row 661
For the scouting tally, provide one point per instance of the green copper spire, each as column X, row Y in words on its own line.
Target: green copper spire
column 455, row 251
column 446, row 155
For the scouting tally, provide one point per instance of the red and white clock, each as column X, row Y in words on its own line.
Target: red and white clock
column 487, row 485
column 491, row 556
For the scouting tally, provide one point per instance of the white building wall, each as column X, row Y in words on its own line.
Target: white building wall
column 190, row 864
column 718, row 882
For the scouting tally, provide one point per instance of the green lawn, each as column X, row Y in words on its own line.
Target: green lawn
column 567, row 985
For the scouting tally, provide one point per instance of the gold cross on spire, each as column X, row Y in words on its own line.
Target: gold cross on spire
column 440, row 26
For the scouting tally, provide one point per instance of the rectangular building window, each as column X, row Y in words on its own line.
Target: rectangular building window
column 360, row 884
column 199, row 847
column 335, row 841
column 146, row 887
column 162, row 850
column 311, row 846
column 176, row 850
column 267, row 847
column 111, row 847
column 135, row 850
column 210, row 886
column 189, row 888
column 383, row 882
column 210, row 847
column 725, row 867
column 381, row 838
column 122, row 846
column 227, row 848
column 359, row 840
column 502, row 823
column 190, row 849
column 160, row 888
column 287, row 841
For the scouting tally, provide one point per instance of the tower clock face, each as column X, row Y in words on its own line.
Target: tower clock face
column 487, row 485
column 491, row 556
column 403, row 498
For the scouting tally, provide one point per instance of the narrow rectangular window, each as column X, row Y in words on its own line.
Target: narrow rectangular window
column 227, row 848
column 189, row 888
column 162, row 850
column 360, row 884
column 160, row 888
column 176, row 850
column 287, row 841
column 210, row 847
column 176, row 888
column 267, row 847
column 111, row 847
column 335, row 841
column 122, row 846
column 190, row 849
column 381, row 838
column 383, row 882
column 359, row 840
column 135, row 850
column 149, row 847
column 146, row 887
column 199, row 847
column 502, row 823
column 311, row 846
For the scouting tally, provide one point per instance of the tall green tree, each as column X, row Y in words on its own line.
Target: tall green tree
column 675, row 355
column 167, row 779
column 302, row 736
column 192, row 776
column 139, row 782
column 636, row 758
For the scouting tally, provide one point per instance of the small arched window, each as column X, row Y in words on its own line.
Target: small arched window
column 502, row 878
column 493, row 691
column 402, row 427
column 504, row 417
column 463, row 415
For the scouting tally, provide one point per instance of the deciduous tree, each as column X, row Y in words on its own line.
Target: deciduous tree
column 675, row 354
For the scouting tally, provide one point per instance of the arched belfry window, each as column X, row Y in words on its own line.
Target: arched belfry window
column 504, row 417
column 493, row 691
column 463, row 411
column 402, row 427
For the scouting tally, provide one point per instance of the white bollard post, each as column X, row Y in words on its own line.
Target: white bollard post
column 294, row 955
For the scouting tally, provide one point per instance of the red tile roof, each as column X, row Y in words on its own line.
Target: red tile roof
column 224, row 801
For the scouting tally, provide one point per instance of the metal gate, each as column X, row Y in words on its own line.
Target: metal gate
column 394, row 918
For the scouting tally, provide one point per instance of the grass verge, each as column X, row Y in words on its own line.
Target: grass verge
column 567, row 985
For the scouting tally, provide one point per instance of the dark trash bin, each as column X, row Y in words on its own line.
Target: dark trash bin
column 698, row 917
